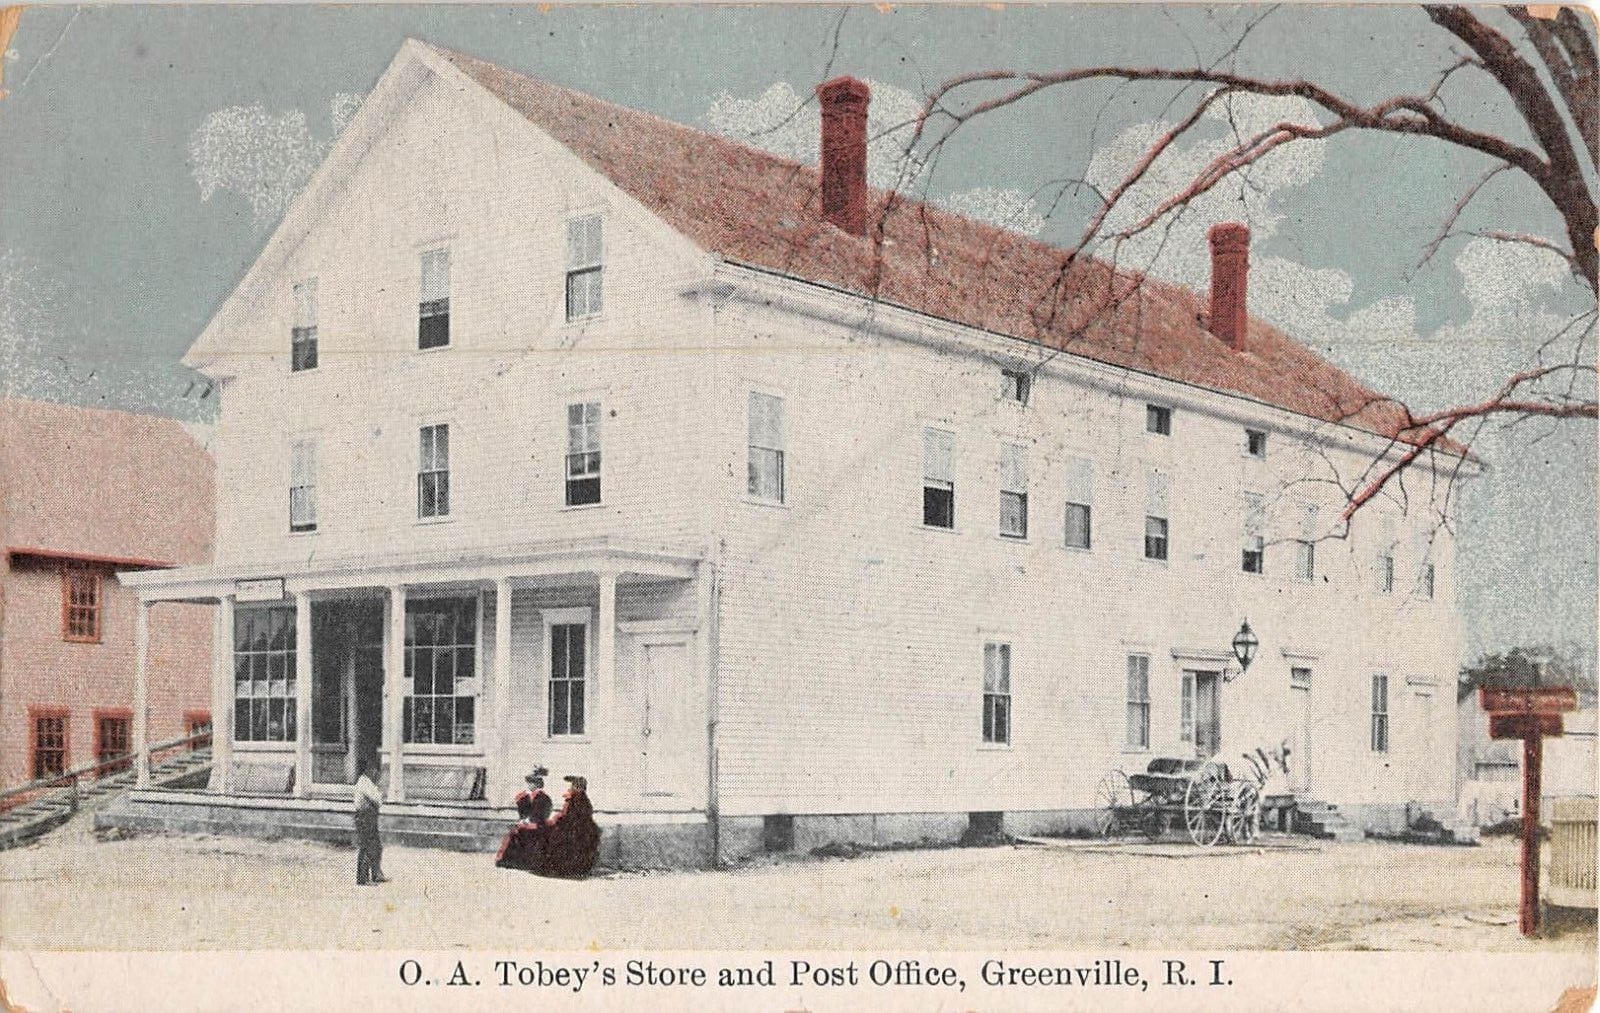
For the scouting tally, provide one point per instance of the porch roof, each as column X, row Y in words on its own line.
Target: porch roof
column 414, row 567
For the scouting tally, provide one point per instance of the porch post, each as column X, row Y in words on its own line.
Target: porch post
column 605, row 677
column 302, row 694
column 141, row 695
column 501, row 712
column 222, row 694
column 394, row 669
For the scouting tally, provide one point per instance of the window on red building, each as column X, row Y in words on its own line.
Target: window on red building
column 113, row 741
column 49, row 744
column 81, row 590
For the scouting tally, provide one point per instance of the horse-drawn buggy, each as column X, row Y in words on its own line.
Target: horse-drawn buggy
column 1175, row 795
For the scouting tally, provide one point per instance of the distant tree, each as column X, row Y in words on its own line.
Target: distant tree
column 1526, row 667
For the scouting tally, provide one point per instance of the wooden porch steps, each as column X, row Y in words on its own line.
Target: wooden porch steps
column 55, row 806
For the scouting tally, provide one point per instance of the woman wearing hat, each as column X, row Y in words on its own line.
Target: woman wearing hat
column 573, row 840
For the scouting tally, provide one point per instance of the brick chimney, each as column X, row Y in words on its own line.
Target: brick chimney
column 844, row 153
column 1230, row 270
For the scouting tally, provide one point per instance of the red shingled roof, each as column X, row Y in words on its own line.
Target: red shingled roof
column 754, row 208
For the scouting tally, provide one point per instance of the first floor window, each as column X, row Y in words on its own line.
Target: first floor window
column 1138, row 726
column 938, row 478
column 1155, row 537
column 569, row 649
column 81, row 590
column 441, row 671
column 303, row 486
column 303, row 334
column 997, row 693
column 1380, row 713
column 264, row 674
column 1425, row 583
column 1013, row 491
column 1186, row 709
column 433, row 305
column 1386, row 573
column 113, row 741
column 768, row 440
column 583, row 453
column 1305, row 560
column 433, row 471
column 49, row 744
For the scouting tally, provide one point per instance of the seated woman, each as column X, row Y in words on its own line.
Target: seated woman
column 524, row 844
column 572, row 840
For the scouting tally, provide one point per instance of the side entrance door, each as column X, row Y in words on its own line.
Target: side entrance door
column 672, row 732
column 1300, row 740
column 1207, row 714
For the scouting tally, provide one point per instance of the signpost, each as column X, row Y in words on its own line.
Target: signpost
column 1529, row 715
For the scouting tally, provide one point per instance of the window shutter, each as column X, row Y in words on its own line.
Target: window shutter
column 766, row 421
column 1080, row 480
column 1155, row 494
column 1013, row 468
column 435, row 275
column 938, row 455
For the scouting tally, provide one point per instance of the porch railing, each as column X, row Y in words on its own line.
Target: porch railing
column 66, row 787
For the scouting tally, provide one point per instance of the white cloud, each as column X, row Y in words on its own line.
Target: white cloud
column 787, row 124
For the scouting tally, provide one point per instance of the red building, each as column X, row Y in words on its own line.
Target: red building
column 84, row 493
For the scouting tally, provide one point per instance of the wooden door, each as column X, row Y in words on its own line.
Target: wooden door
column 1300, row 740
column 672, row 729
column 1207, row 714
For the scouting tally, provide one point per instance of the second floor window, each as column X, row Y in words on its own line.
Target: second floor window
column 1015, row 385
column 585, row 266
column 997, row 694
column 583, row 453
column 1305, row 559
column 1425, row 581
column 1013, row 491
column 1255, row 544
column 938, row 478
column 767, row 441
column 1155, row 516
column 303, row 334
column 303, row 486
column 1080, row 499
column 433, row 307
column 1385, row 573
column 1380, row 713
column 81, row 591
column 433, row 471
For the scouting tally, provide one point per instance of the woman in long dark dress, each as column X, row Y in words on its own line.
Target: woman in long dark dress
column 571, row 843
column 524, row 844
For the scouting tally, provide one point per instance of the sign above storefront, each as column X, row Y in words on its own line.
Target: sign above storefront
column 268, row 589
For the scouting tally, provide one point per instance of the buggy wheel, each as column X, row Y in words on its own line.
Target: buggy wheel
column 1205, row 805
column 1113, row 802
column 1244, row 815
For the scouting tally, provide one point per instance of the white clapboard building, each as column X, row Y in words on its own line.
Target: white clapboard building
column 784, row 511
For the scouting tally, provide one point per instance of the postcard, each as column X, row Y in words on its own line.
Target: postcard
column 798, row 507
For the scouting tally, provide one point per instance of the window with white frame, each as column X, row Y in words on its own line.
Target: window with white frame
column 303, row 485
column 441, row 671
column 1155, row 516
column 1016, row 385
column 1158, row 419
column 1078, row 528
column 1425, row 581
column 433, row 471
column 585, row 266
column 1255, row 543
column 1305, row 549
column 303, row 332
column 1138, row 724
column 938, row 478
column 433, row 305
column 583, row 453
column 1255, row 443
column 1380, row 713
column 1385, row 572
column 1013, row 491
column 767, row 443
column 1186, row 708
column 264, row 674
column 568, row 645
column 997, row 693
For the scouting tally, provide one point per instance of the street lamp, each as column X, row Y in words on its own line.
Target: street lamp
column 1244, row 645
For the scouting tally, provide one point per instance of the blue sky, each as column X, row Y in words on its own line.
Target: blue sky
column 131, row 198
